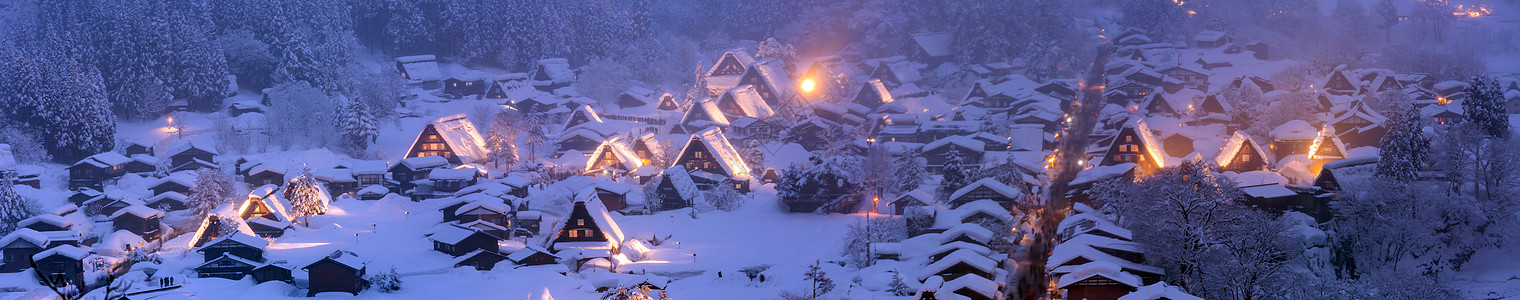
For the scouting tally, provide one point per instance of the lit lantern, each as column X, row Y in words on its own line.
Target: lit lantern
column 808, row 85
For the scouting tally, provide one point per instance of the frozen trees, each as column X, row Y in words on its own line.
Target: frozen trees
column 858, row 240
column 724, row 197
column 821, row 283
column 908, row 171
column 501, row 138
column 302, row 114
column 212, row 188
column 13, row 208
column 1188, row 220
column 1484, row 106
column 956, row 174
column 1403, row 148
column 306, row 196
column 355, row 126
column 386, row 282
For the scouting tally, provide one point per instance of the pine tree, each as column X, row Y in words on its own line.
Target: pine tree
column 356, row 126
column 908, row 172
column 1403, row 149
column 532, row 125
column 306, row 197
column 212, row 188
column 1386, row 15
column 1484, row 106
column 897, row 287
column 955, row 176
column 822, row 284
column 13, row 208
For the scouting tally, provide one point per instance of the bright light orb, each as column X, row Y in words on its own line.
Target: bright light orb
column 808, row 85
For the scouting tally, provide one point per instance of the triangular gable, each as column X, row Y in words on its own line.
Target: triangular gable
column 668, row 102
column 744, row 101
column 461, row 142
column 873, row 94
column 712, row 142
column 705, row 109
column 582, row 115
column 1327, row 146
column 613, row 154
column 1237, row 147
column 1134, row 138
column 770, row 81
column 732, row 62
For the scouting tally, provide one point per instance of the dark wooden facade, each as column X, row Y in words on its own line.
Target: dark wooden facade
column 190, row 155
column 61, row 269
column 147, row 228
column 17, row 255
column 457, row 87
column 480, row 260
column 580, row 227
column 271, row 272
column 225, row 267
column 476, row 240
column 328, row 275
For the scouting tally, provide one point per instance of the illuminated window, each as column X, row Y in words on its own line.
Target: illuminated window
column 580, row 222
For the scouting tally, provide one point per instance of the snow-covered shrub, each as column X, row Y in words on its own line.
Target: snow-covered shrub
column 724, row 197
column 858, row 240
column 385, row 282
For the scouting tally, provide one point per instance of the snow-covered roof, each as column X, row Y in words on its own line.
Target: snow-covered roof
column 774, row 73
column 187, row 145
column 1148, row 139
column 65, row 250
column 1084, row 223
column 558, row 70
column 1360, row 109
column 1157, row 291
column 453, row 174
column 1208, row 36
column 452, row 234
column 718, row 145
column 215, row 262
column 962, row 256
column 345, row 258
column 462, row 137
column 705, row 109
column 1233, row 145
column 240, row 238
column 973, row 231
column 962, row 141
column 920, row 194
column 985, row 287
column 614, row 146
column 368, row 167
column 139, row 211
column 989, row 183
column 934, row 44
column 681, row 180
column 529, row 250
column 105, row 160
column 25, row 234
column 592, row 118
column 183, row 178
column 169, row 195
column 1101, row 269
column 988, row 207
column 486, row 205
column 1267, row 191
column 421, row 67
column 424, row 162
column 1295, row 130
column 748, row 100
column 737, row 54
column 1061, row 257
column 1097, row 173
column 49, row 219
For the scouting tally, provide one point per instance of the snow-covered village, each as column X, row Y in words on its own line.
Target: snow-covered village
column 758, row 149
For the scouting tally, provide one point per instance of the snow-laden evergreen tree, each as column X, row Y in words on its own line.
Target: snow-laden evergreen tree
column 908, row 171
column 501, row 138
column 301, row 113
column 81, row 124
column 821, row 283
column 356, row 126
column 955, row 175
column 1403, row 148
column 212, row 188
column 1484, row 105
column 770, row 48
column 13, row 207
column 897, row 287
column 306, row 197
column 754, row 156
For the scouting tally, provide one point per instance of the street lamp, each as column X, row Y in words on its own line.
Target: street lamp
column 809, row 85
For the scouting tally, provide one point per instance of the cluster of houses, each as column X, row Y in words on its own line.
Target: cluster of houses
column 1097, row 259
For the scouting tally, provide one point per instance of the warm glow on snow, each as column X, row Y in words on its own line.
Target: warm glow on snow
column 808, row 85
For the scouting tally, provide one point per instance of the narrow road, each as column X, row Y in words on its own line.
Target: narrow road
column 1069, row 153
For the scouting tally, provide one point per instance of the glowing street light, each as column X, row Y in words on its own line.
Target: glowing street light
column 808, row 85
